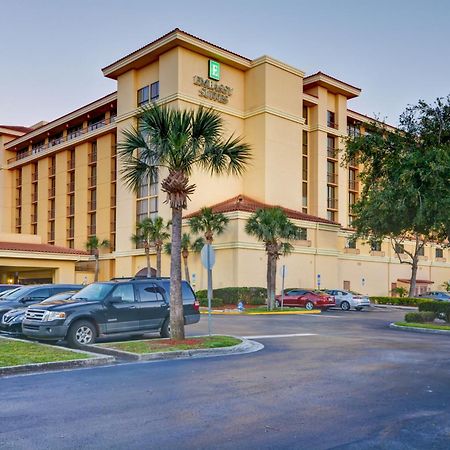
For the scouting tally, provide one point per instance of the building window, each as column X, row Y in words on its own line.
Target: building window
column 351, row 242
column 399, row 248
column 74, row 131
column 303, row 234
column 143, row 96
column 331, row 147
column 375, row 245
column 352, row 180
column 55, row 140
column 96, row 122
column 305, row 172
column 439, row 253
column 331, row 119
column 305, row 114
column 354, row 129
column 38, row 147
column 421, row 251
column 154, row 91
column 147, row 199
column 332, row 172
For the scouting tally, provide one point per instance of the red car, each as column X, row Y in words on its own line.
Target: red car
column 307, row 298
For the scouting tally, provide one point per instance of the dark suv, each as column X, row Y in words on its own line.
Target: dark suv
column 133, row 306
column 24, row 296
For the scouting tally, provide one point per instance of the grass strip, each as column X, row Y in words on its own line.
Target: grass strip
column 430, row 326
column 16, row 353
column 169, row 345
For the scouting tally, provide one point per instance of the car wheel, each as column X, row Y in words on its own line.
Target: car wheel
column 165, row 329
column 309, row 306
column 277, row 303
column 345, row 306
column 81, row 333
column 358, row 308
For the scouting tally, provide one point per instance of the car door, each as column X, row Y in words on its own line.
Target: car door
column 122, row 314
column 152, row 304
column 294, row 298
column 36, row 296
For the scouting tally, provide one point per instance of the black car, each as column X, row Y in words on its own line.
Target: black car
column 11, row 322
column 28, row 295
column 133, row 306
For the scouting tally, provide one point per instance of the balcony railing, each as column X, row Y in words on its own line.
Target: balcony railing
column 18, row 222
column 34, row 177
column 90, row 129
column 332, row 178
column 51, row 192
column 92, row 157
column 332, row 203
column 92, row 206
column 33, row 218
column 71, row 187
column 113, row 175
column 92, row 181
column 51, row 171
column 70, row 233
column 70, row 164
column 51, row 236
column 91, row 230
column 113, row 200
column 18, row 201
column 19, row 181
column 332, row 125
column 51, row 214
column 113, row 226
column 71, row 210
column 34, row 197
column 332, row 152
column 353, row 185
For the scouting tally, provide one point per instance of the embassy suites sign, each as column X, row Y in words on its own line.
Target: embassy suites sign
column 211, row 88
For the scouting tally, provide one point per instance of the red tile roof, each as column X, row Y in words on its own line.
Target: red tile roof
column 17, row 128
column 40, row 248
column 247, row 204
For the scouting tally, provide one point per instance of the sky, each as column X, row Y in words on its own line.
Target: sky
column 52, row 51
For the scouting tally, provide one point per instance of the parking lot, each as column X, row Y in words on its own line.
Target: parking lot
column 339, row 380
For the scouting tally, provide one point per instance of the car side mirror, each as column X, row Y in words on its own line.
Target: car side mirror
column 25, row 299
column 115, row 300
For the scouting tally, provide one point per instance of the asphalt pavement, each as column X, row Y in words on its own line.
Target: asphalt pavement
column 340, row 380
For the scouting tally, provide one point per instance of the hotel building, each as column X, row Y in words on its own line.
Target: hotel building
column 61, row 183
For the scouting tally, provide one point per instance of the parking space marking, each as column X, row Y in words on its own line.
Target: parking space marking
column 272, row 336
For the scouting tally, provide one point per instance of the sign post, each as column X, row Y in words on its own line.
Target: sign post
column 318, row 281
column 208, row 258
column 283, row 273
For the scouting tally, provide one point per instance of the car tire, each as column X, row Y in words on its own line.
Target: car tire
column 309, row 306
column 165, row 329
column 81, row 333
column 345, row 306
column 277, row 303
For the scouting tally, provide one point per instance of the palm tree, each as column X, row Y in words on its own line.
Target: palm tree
column 187, row 245
column 178, row 141
column 93, row 245
column 208, row 223
column 150, row 232
column 272, row 227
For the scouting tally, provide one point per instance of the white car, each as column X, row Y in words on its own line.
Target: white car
column 347, row 300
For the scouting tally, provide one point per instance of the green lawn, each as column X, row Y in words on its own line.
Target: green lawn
column 169, row 345
column 16, row 353
column 432, row 326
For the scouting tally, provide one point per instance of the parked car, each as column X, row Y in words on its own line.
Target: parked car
column 443, row 296
column 7, row 292
column 7, row 287
column 133, row 306
column 28, row 295
column 11, row 322
column 347, row 300
column 306, row 298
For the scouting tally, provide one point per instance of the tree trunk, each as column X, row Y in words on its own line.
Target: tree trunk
column 147, row 257
column 97, row 268
column 269, row 280
column 158, row 260
column 412, row 281
column 274, row 280
column 176, row 301
column 186, row 269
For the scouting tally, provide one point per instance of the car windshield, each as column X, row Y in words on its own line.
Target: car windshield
column 94, row 292
column 15, row 293
column 62, row 296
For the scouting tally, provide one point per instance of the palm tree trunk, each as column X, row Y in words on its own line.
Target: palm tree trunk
column 186, row 270
column 274, row 282
column 269, row 280
column 147, row 257
column 176, row 301
column 158, row 260
column 97, row 268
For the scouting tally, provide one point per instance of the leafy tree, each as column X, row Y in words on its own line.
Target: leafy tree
column 274, row 228
column 209, row 223
column 151, row 233
column 446, row 285
column 187, row 246
column 179, row 142
column 406, row 181
column 93, row 246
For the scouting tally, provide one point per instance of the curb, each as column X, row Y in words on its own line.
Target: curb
column 406, row 308
column 268, row 313
column 418, row 330
column 246, row 346
column 96, row 360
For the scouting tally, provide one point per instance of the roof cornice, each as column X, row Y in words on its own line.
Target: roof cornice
column 332, row 84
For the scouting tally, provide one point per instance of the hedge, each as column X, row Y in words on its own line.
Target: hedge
column 232, row 295
column 403, row 301
column 420, row 317
column 441, row 309
column 214, row 302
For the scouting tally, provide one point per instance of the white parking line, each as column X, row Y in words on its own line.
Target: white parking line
column 272, row 336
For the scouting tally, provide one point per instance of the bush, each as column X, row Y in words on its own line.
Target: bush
column 232, row 295
column 402, row 301
column 441, row 309
column 420, row 317
column 215, row 302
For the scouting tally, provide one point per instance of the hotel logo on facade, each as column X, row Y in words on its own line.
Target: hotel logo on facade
column 211, row 89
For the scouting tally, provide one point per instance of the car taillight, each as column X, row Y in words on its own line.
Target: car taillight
column 196, row 305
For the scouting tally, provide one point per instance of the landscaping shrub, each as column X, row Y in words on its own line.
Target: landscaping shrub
column 402, row 301
column 232, row 295
column 441, row 309
column 215, row 302
column 420, row 317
